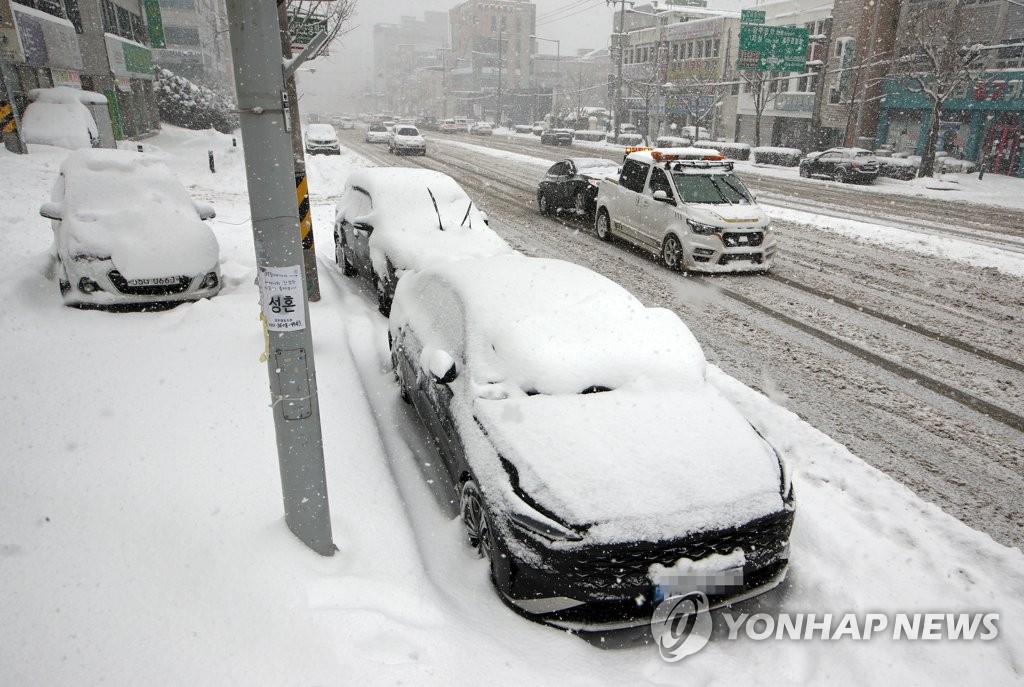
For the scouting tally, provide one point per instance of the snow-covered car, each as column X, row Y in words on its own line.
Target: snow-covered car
column 377, row 133
column 481, row 129
column 571, row 184
column 557, row 137
column 841, row 164
column 346, row 123
column 393, row 220
column 126, row 232
column 595, row 467
column 449, row 126
column 321, row 139
column 407, row 139
column 60, row 117
column 686, row 205
column 539, row 127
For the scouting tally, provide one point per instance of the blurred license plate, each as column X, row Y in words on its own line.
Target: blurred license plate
column 710, row 583
column 154, row 281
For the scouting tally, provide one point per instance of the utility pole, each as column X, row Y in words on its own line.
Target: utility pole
column 299, row 161
column 620, row 41
column 500, row 27
column 264, row 112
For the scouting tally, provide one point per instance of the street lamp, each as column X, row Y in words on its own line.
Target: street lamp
column 558, row 66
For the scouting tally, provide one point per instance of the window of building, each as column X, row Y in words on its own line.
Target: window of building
column 53, row 7
column 109, row 16
column 181, row 35
column 74, row 14
column 689, row 50
column 139, row 30
column 178, row 4
column 714, row 48
column 494, row 23
column 833, row 96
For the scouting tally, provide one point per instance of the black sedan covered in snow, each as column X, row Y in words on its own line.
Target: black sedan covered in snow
column 595, row 466
column 841, row 164
column 557, row 137
column 571, row 184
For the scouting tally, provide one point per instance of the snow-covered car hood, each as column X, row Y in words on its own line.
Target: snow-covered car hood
column 636, row 464
column 158, row 234
column 409, row 140
column 725, row 214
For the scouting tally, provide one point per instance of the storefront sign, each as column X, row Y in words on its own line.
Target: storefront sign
column 66, row 77
column 10, row 44
column 155, row 24
column 128, row 59
column 45, row 40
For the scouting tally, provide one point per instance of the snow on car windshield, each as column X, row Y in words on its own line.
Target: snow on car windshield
column 407, row 131
column 711, row 188
column 158, row 234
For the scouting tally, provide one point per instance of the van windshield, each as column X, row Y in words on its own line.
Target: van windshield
column 711, row 188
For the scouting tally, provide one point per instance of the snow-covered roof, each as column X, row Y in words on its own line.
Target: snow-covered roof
column 64, row 94
column 419, row 217
column 553, row 327
column 157, row 234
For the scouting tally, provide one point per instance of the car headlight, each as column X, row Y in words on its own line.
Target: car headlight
column 530, row 518
column 701, row 229
column 210, row 281
column 767, row 228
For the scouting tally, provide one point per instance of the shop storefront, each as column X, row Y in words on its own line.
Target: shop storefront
column 985, row 121
column 132, row 102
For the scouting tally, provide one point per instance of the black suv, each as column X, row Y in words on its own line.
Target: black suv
column 841, row 164
column 557, row 137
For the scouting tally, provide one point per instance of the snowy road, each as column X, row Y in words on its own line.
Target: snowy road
column 911, row 359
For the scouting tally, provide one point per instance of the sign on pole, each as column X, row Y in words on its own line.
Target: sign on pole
column 772, row 48
column 752, row 16
column 303, row 29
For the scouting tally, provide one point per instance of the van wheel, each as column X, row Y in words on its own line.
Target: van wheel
column 839, row 175
column 671, row 252
column 542, row 204
column 603, row 226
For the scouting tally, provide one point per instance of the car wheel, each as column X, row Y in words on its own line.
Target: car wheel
column 671, row 249
column 542, row 204
column 580, row 203
column 474, row 517
column 839, row 175
column 805, row 172
column 347, row 268
column 603, row 226
column 383, row 299
column 403, row 388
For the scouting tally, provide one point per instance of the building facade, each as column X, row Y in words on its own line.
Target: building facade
column 196, row 42
column 400, row 50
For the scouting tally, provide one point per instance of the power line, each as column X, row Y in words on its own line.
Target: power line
column 551, row 20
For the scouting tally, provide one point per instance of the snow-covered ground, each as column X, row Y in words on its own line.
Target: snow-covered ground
column 141, row 529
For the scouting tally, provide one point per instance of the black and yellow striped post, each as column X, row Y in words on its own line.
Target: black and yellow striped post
column 306, row 229
column 7, row 123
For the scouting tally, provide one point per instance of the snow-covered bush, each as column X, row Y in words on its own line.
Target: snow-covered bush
column 897, row 168
column 523, row 128
column 189, row 105
column 735, row 151
column 673, row 141
column 588, row 135
column 770, row 155
column 626, row 139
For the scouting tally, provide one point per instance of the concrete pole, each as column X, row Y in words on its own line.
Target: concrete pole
column 498, row 115
column 618, row 74
column 14, row 141
column 263, row 111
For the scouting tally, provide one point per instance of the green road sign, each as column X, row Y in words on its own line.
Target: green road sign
column 304, row 29
column 772, row 48
column 751, row 16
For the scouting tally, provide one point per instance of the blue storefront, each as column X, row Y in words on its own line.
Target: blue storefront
column 987, row 119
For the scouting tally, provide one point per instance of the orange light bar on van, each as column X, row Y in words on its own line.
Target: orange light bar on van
column 669, row 157
column 637, row 149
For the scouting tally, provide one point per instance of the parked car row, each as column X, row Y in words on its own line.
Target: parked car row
column 536, row 379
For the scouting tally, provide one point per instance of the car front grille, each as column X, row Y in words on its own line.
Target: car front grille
column 740, row 257
column 179, row 285
column 736, row 239
column 628, row 565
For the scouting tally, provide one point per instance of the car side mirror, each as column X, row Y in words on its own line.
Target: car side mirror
column 443, row 368
column 52, row 211
column 663, row 197
column 205, row 210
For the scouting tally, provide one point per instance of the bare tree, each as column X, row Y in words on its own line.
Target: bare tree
column 335, row 16
column 943, row 62
column 576, row 97
column 646, row 81
column 764, row 88
column 699, row 95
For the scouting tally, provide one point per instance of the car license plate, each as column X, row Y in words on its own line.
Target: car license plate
column 153, row 281
column 743, row 239
column 710, row 583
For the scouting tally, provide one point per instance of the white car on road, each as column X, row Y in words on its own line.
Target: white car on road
column 407, row 139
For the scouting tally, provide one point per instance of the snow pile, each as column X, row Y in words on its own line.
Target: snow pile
column 134, row 210
column 58, row 117
column 419, row 217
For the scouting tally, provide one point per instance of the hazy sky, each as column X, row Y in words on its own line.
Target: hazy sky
column 576, row 23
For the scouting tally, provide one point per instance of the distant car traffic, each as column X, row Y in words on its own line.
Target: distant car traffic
column 449, row 126
column 686, row 205
column 391, row 220
column 572, row 184
column 555, row 399
column 109, row 252
column 321, row 139
column 377, row 133
column 481, row 129
column 557, row 137
column 841, row 164
column 407, row 140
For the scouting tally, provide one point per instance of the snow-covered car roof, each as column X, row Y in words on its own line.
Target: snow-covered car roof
column 552, row 327
column 157, row 234
column 321, row 131
column 419, row 217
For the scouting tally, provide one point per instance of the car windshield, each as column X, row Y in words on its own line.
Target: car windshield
column 865, row 153
column 408, row 131
column 711, row 188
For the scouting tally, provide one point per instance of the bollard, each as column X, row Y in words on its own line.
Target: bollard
column 139, row 147
column 234, row 143
column 212, row 168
